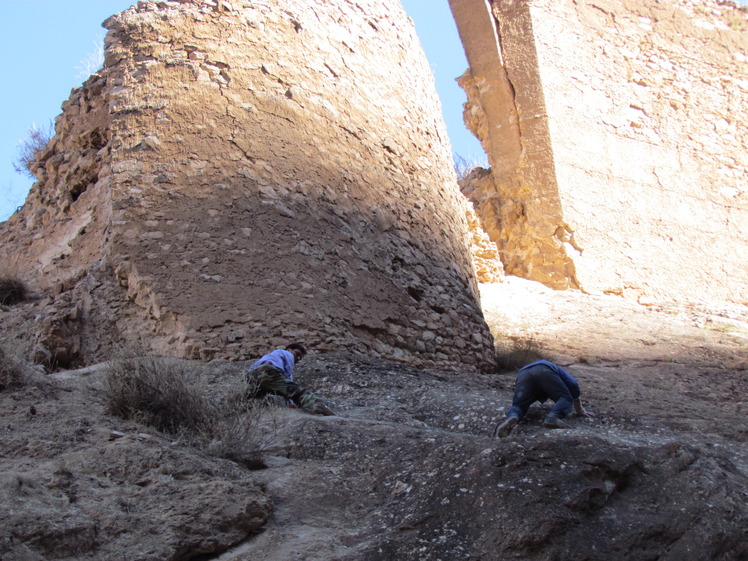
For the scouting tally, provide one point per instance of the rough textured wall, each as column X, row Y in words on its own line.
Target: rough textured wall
column 486, row 258
column 635, row 113
column 506, row 112
column 263, row 172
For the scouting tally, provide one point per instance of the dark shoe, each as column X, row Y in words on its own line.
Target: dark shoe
column 553, row 422
column 321, row 409
column 505, row 428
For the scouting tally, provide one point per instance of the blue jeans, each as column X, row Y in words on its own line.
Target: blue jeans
column 539, row 383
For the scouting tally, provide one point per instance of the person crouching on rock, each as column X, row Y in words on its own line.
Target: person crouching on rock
column 273, row 374
column 539, row 381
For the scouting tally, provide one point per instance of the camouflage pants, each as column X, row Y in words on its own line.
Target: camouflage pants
column 269, row 379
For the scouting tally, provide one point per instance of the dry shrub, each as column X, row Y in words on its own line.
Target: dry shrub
column 12, row 372
column 463, row 166
column 513, row 354
column 243, row 429
column 158, row 392
column 31, row 148
column 12, row 290
column 168, row 394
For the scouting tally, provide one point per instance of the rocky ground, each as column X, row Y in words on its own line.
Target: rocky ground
column 408, row 469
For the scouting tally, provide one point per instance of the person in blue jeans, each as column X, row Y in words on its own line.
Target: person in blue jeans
column 273, row 374
column 539, row 381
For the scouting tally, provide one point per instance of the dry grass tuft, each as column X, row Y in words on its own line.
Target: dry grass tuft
column 463, row 166
column 513, row 354
column 244, row 428
column 168, row 394
column 156, row 391
column 12, row 290
column 13, row 373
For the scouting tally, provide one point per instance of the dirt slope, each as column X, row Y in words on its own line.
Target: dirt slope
column 408, row 469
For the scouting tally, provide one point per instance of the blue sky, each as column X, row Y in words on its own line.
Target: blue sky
column 44, row 46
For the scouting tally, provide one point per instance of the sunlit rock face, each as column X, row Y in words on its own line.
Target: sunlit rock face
column 616, row 134
column 241, row 175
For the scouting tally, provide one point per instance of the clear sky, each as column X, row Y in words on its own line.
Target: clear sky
column 45, row 46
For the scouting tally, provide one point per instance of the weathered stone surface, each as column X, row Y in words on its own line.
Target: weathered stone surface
column 486, row 258
column 408, row 469
column 87, row 486
column 617, row 139
column 240, row 175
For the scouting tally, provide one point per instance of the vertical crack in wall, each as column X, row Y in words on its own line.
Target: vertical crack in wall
column 506, row 111
column 492, row 95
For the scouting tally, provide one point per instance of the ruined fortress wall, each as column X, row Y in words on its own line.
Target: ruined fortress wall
column 276, row 171
column 505, row 110
column 58, row 233
column 643, row 116
column 653, row 172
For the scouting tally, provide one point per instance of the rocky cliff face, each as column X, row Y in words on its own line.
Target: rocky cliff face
column 617, row 139
column 240, row 175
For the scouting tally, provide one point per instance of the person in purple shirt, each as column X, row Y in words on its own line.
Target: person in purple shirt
column 273, row 374
column 539, row 381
